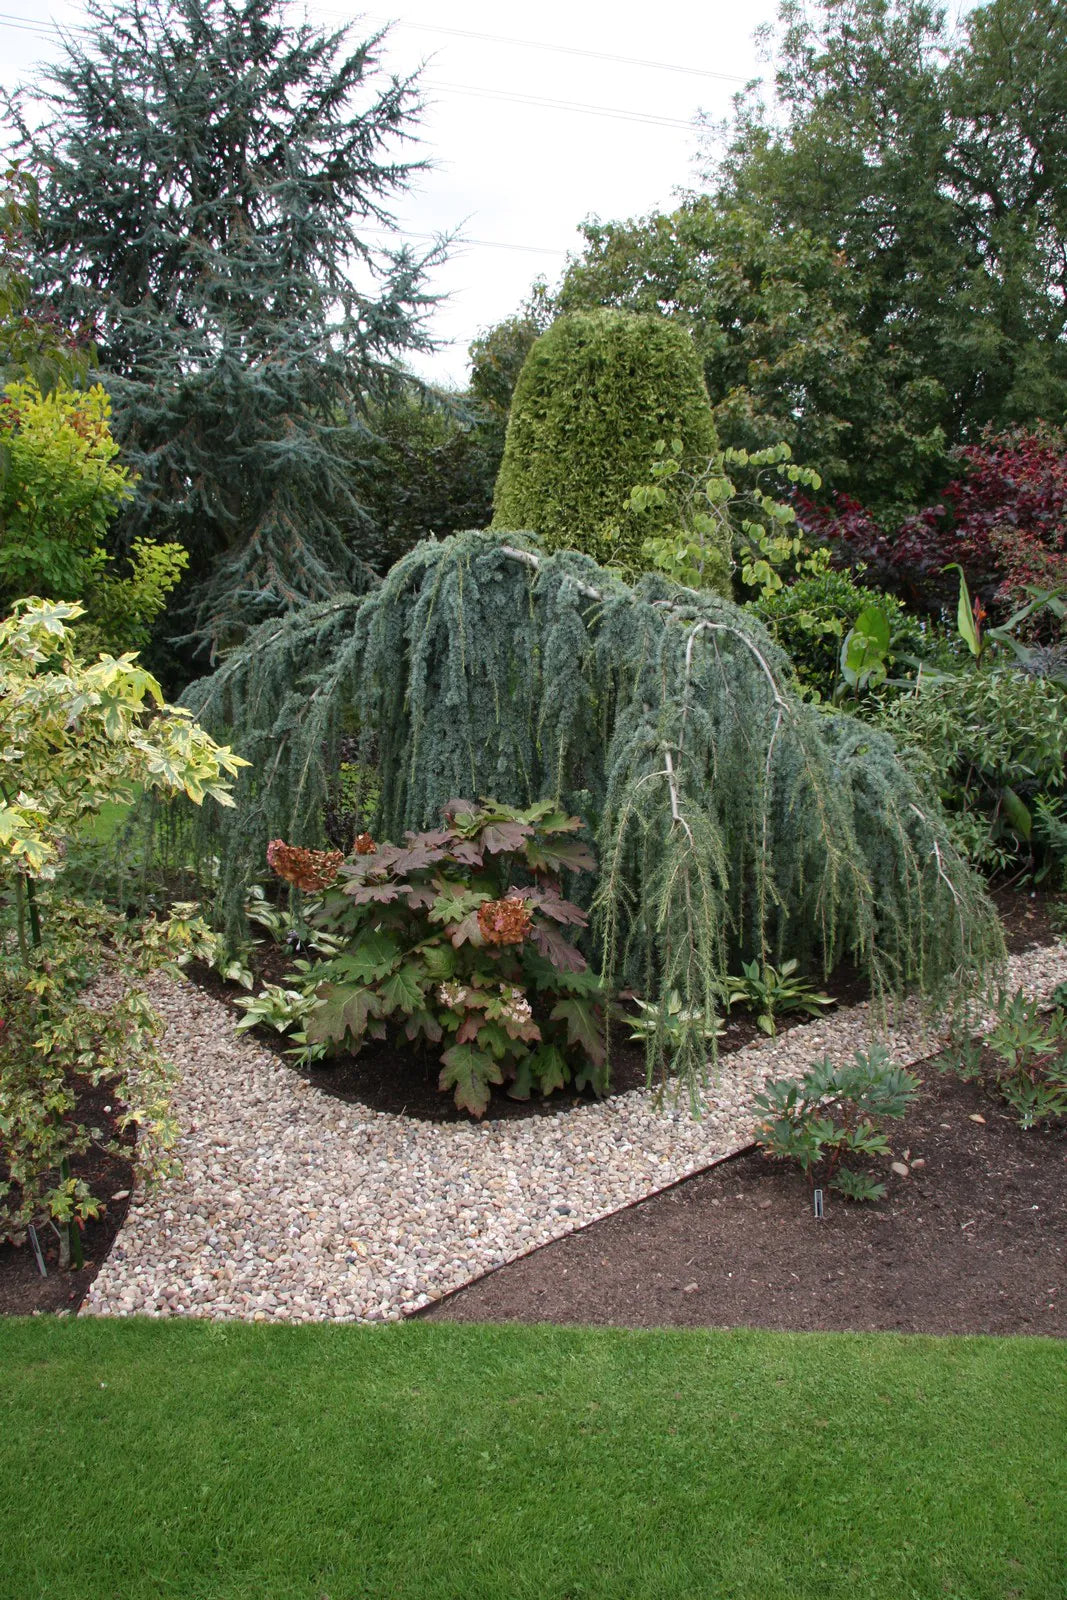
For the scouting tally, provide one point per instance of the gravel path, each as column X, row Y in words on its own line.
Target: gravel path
column 293, row 1206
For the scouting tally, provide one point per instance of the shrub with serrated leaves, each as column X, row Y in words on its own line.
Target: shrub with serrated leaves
column 461, row 938
column 1022, row 1056
column 993, row 743
column 831, row 1113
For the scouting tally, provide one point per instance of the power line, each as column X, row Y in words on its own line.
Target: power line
column 646, row 119
column 46, row 30
column 561, row 49
column 30, row 24
column 461, row 243
column 619, row 113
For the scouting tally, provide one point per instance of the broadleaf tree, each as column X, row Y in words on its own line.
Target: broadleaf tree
column 214, row 179
column 933, row 158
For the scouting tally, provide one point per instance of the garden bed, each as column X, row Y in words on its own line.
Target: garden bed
column 299, row 1203
column 23, row 1290
column 972, row 1240
column 404, row 1082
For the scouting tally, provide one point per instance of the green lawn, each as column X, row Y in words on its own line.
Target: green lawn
column 256, row 1463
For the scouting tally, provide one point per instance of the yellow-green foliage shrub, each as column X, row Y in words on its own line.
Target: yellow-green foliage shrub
column 60, row 487
column 597, row 393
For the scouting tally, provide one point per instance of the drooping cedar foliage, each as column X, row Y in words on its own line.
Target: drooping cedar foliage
column 729, row 816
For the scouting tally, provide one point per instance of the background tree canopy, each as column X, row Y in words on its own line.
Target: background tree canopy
column 935, row 162
column 209, row 172
column 875, row 272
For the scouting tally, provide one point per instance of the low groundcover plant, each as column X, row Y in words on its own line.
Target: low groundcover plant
column 1022, row 1057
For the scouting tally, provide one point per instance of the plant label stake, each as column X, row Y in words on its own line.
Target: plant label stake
column 818, row 1205
column 41, row 1268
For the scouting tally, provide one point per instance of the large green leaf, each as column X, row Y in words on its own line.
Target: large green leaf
column 423, row 1025
column 553, row 855
column 505, row 837
column 549, row 1068
column 372, row 956
column 469, row 1071
column 404, row 990
column 583, row 1026
column 556, row 949
column 454, row 903
column 1017, row 812
column 866, row 648
column 438, row 958
column 342, row 1009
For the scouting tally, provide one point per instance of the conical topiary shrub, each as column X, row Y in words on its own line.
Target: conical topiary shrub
column 598, row 392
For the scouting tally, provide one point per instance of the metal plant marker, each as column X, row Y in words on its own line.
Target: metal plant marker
column 818, row 1205
column 34, row 1241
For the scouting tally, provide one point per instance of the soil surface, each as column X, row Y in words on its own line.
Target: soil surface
column 972, row 1240
column 23, row 1291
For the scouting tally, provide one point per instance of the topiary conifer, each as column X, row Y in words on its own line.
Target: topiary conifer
column 598, row 393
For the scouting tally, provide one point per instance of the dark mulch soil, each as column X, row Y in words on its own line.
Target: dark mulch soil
column 404, row 1081
column 1030, row 916
column 973, row 1240
column 22, row 1289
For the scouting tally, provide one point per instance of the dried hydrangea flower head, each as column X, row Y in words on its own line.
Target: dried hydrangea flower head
column 364, row 845
column 310, row 870
column 504, row 921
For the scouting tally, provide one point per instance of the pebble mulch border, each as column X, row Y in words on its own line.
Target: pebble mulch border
column 293, row 1206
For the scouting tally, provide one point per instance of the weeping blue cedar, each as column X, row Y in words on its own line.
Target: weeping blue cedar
column 730, row 817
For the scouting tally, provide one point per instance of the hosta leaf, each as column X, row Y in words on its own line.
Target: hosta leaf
column 469, row 1071
column 584, row 1027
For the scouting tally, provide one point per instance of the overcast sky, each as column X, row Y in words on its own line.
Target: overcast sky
column 513, row 173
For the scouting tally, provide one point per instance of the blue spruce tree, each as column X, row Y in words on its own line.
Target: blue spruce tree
column 212, row 176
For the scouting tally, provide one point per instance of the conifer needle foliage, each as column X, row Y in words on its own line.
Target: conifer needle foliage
column 730, row 818
column 213, row 174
